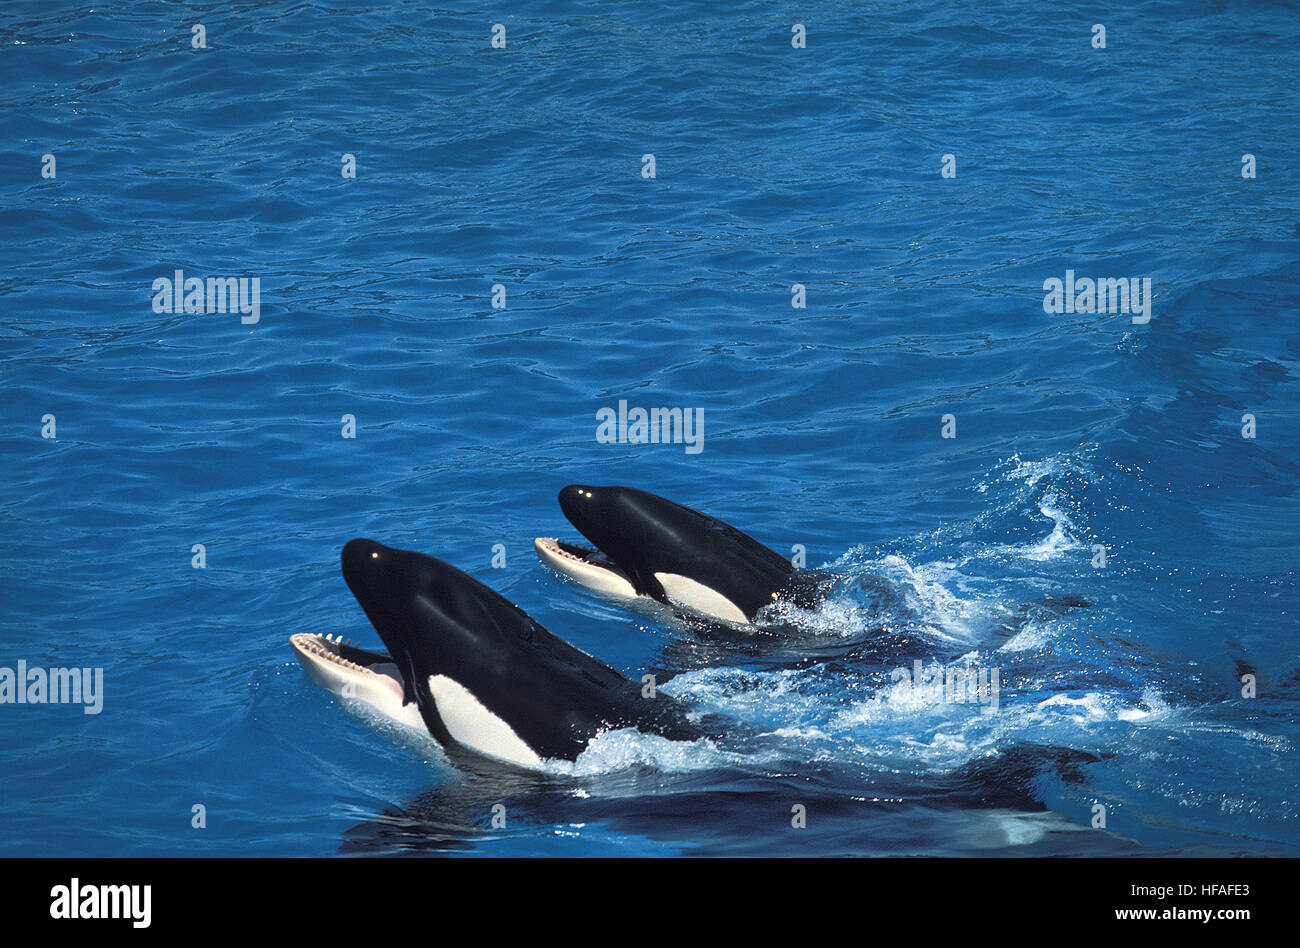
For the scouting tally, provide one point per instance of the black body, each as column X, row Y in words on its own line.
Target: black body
column 643, row 534
column 436, row 620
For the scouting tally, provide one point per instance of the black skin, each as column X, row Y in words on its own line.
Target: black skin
column 642, row 534
column 436, row 620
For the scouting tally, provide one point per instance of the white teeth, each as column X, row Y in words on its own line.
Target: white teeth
column 553, row 546
column 313, row 645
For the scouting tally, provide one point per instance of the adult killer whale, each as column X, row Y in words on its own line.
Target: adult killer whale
column 648, row 546
column 474, row 669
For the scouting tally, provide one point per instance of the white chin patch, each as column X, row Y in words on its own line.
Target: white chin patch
column 474, row 726
column 686, row 592
column 378, row 688
column 600, row 579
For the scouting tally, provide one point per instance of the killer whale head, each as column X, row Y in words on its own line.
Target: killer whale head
column 647, row 545
column 478, row 672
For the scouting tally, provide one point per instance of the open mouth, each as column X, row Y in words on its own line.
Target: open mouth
column 587, row 565
column 333, row 650
column 334, row 664
column 585, row 554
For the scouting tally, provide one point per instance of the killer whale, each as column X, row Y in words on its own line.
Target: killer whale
column 473, row 669
column 646, row 546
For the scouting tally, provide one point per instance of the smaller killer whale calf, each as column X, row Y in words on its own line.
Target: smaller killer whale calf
column 646, row 546
column 473, row 669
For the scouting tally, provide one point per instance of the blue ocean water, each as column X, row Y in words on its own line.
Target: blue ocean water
column 773, row 166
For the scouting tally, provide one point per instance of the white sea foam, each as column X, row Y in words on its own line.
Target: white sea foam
column 887, row 726
column 627, row 748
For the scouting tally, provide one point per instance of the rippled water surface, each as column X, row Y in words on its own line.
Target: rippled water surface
column 774, row 166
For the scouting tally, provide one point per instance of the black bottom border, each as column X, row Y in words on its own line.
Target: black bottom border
column 927, row 896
